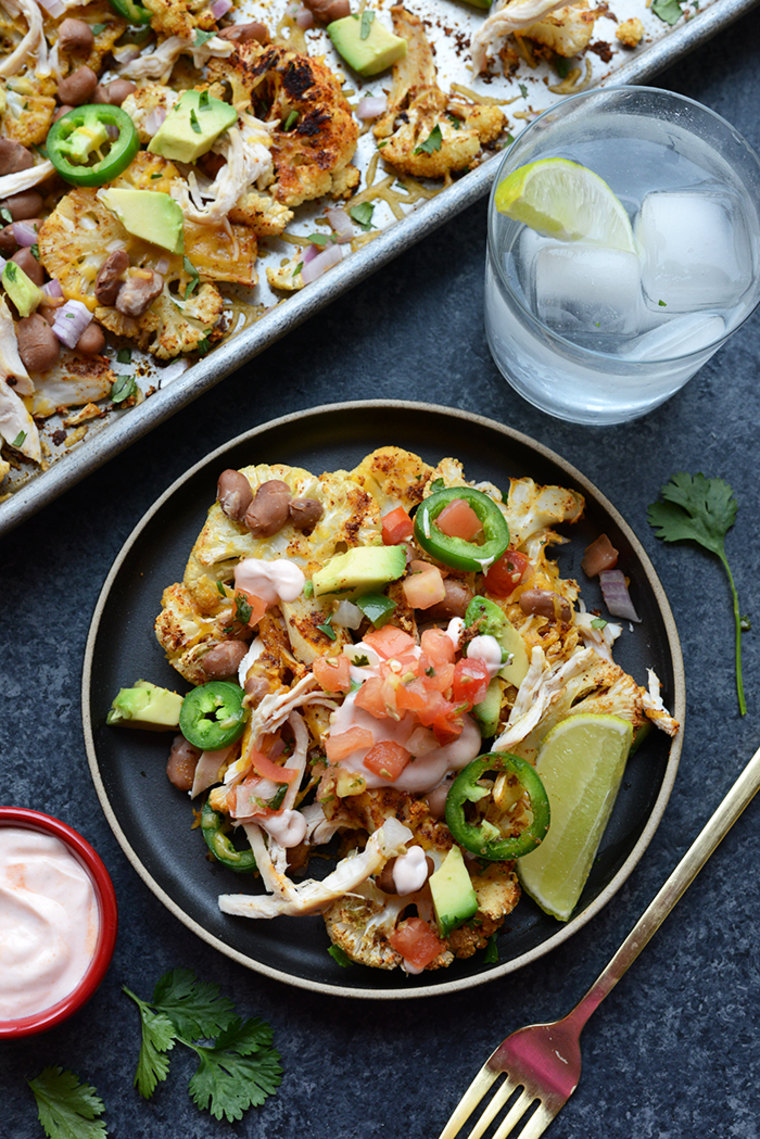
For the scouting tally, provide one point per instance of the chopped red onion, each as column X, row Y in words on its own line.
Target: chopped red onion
column 340, row 223
column 309, row 253
column 70, row 322
column 348, row 615
column 616, row 595
column 162, row 266
column 304, row 18
column 55, row 8
column 154, row 119
column 53, row 290
column 324, row 260
column 371, row 107
column 220, row 8
column 24, row 234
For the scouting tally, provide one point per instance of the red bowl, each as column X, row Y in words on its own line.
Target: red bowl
column 108, row 924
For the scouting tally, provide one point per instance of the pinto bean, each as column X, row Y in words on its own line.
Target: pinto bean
column 110, row 277
column 234, row 494
column 246, row 33
column 268, row 511
column 256, row 688
column 23, row 206
column 545, row 603
column 305, row 513
column 182, row 762
column 138, row 292
column 75, row 35
column 38, row 346
column 329, row 10
column 14, row 157
column 458, row 597
column 221, row 662
column 61, row 111
column 78, row 87
column 26, row 260
column 92, row 341
column 114, row 92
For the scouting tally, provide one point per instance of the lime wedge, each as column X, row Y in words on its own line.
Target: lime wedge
column 562, row 199
column 581, row 763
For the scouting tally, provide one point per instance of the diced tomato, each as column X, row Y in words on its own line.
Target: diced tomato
column 339, row 746
column 424, row 586
column 506, row 573
column 442, row 716
column 333, row 674
column 470, row 681
column 257, row 605
column 437, row 677
column 459, row 520
column 416, row 942
column 389, row 641
column 412, row 696
column 377, row 696
column 387, row 759
column 264, row 767
column 438, row 646
column 397, row 527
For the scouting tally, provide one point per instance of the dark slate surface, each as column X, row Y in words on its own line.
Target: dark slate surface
column 673, row 1054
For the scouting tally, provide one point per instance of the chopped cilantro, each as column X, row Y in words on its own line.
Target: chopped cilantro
column 340, row 956
column 122, row 388
column 669, row 11
column 523, row 90
column 362, row 214
column 192, row 273
column 242, row 609
column 290, row 121
column 366, row 24
column 200, row 38
column 220, row 589
column 19, row 440
column 598, row 623
column 196, row 126
column 327, row 629
column 124, row 356
column 432, row 142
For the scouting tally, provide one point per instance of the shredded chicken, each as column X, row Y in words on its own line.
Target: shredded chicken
column 16, row 424
column 311, row 895
column 159, row 63
column 516, row 15
column 33, row 44
column 22, row 180
column 247, row 160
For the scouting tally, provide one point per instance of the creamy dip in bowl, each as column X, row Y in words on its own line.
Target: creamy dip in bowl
column 58, row 921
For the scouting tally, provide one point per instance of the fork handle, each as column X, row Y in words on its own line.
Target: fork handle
column 696, row 856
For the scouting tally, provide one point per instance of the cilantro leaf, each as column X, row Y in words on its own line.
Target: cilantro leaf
column 239, row 1071
column 669, row 11
column 158, row 1037
column 194, row 1007
column 432, row 143
column 362, row 215
column 702, row 510
column 67, row 1109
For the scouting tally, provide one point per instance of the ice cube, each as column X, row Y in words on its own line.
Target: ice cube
column 578, row 287
column 695, row 248
column 677, row 337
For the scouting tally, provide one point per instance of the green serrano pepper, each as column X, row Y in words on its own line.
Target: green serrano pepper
column 213, row 826
column 488, row 830
column 458, row 552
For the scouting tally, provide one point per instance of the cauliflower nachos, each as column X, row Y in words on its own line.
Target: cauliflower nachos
column 375, row 658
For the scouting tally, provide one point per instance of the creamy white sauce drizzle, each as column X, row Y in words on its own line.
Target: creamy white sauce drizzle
column 410, row 871
column 281, row 579
column 487, row 649
column 49, row 922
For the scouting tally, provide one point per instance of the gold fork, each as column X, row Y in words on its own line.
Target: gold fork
column 541, row 1064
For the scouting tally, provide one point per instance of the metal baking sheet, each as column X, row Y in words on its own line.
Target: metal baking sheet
column 524, row 94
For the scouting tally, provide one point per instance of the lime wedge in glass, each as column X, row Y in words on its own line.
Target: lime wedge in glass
column 562, row 199
column 580, row 762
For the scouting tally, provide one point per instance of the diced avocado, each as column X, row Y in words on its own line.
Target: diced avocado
column 487, row 712
column 149, row 214
column 362, row 569
column 145, row 705
column 365, row 43
column 192, row 126
column 20, row 288
column 492, row 621
column 454, row 899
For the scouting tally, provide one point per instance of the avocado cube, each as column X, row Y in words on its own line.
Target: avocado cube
column 366, row 45
column 492, row 621
column 362, row 569
column 192, row 126
column 20, row 288
column 454, row 899
column 146, row 705
column 148, row 214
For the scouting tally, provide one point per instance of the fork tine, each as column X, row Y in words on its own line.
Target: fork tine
column 534, row 1127
column 499, row 1098
column 469, row 1101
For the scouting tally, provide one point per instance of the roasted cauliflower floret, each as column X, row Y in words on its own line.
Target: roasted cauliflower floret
column 313, row 131
column 393, row 477
column 425, row 132
column 180, row 17
column 567, row 32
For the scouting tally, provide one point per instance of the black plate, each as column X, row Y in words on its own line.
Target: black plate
column 151, row 819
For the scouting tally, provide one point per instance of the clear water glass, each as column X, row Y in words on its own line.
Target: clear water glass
column 598, row 336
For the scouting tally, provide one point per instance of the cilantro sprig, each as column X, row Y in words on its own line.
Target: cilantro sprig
column 67, row 1109
column 702, row 510
column 237, row 1066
